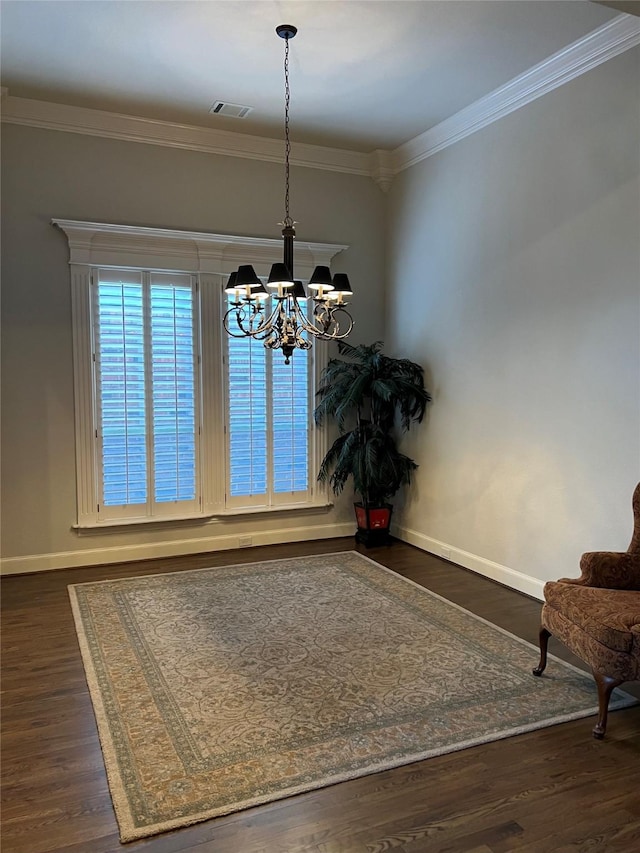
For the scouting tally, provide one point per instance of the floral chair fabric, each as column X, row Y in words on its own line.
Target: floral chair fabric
column 597, row 616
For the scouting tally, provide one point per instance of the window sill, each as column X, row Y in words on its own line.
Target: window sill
column 117, row 525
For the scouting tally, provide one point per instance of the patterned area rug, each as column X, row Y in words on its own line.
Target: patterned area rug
column 219, row 689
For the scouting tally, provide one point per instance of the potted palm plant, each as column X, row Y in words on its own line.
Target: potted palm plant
column 364, row 395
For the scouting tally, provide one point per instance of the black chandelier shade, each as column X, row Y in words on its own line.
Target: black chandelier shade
column 341, row 284
column 298, row 290
column 275, row 314
column 280, row 275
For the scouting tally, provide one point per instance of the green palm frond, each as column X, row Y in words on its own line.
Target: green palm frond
column 364, row 395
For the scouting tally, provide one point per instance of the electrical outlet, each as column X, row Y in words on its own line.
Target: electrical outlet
column 245, row 541
column 445, row 552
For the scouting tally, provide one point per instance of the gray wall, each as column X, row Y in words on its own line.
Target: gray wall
column 63, row 175
column 514, row 277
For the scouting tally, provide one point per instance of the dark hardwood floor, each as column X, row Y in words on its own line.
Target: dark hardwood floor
column 552, row 790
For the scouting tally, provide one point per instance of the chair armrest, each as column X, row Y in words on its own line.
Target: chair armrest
column 609, row 570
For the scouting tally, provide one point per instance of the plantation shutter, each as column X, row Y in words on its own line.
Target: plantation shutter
column 291, row 423
column 268, row 425
column 247, row 394
column 173, row 387
column 120, row 367
column 146, row 390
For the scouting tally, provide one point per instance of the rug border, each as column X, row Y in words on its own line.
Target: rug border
column 119, row 798
column 122, row 810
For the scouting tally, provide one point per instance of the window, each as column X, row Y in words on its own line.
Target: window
column 268, row 424
column 174, row 419
column 145, row 393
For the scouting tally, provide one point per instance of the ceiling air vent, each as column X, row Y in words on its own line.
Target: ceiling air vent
column 223, row 108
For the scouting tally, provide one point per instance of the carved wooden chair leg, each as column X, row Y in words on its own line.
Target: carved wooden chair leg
column 606, row 684
column 544, row 642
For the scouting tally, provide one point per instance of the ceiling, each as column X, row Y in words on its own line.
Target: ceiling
column 365, row 74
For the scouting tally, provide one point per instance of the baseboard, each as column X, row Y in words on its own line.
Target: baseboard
column 176, row 548
column 182, row 547
column 496, row 572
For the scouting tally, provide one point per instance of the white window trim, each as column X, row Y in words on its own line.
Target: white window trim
column 211, row 258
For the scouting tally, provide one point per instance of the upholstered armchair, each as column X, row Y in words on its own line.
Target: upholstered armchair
column 597, row 616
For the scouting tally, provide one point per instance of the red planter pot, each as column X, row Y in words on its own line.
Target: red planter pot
column 373, row 524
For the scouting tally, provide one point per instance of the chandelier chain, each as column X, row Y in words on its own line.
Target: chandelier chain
column 286, row 317
column 288, row 222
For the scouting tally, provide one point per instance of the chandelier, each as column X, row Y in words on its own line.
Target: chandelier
column 282, row 314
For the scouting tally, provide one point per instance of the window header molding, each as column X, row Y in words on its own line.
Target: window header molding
column 108, row 244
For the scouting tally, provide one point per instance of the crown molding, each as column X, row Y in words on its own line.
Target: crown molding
column 64, row 117
column 609, row 40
